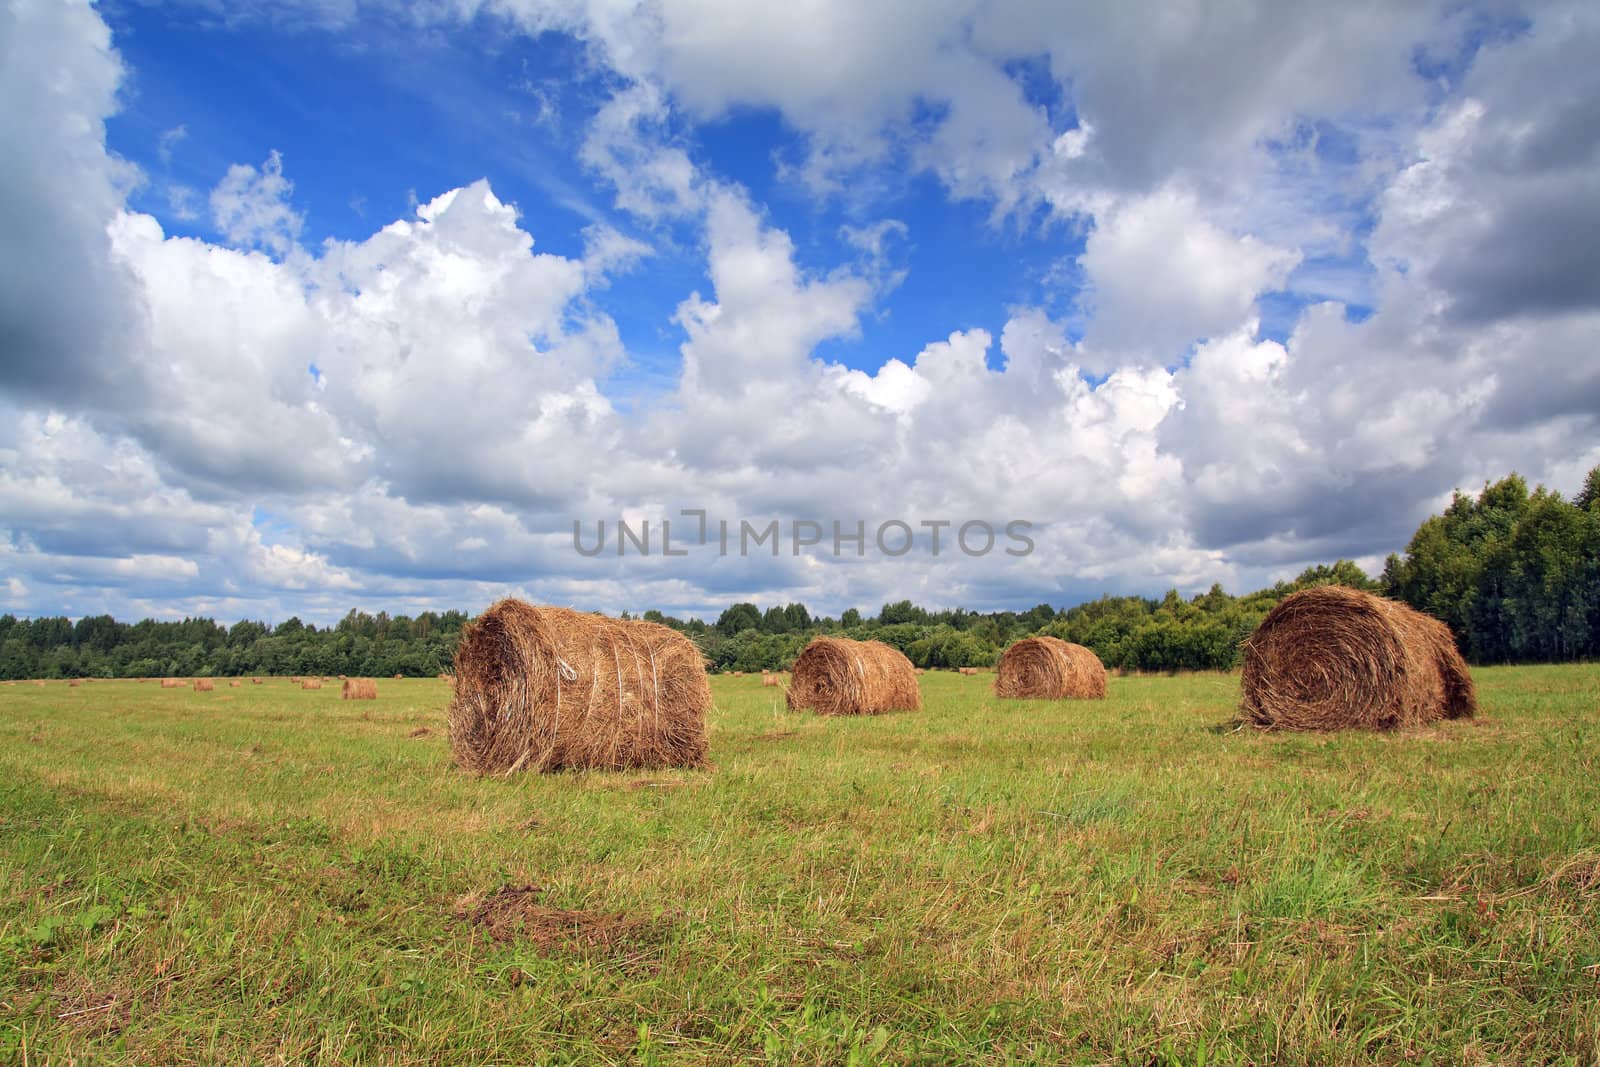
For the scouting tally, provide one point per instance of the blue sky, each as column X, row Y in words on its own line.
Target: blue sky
column 1205, row 297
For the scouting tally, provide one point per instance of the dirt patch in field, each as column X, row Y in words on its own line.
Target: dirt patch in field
column 92, row 1010
column 514, row 913
column 421, row 731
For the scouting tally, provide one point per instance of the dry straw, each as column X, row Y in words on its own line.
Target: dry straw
column 838, row 676
column 234, row 685
column 311, row 683
column 770, row 679
column 1329, row 658
column 359, row 689
column 204, row 685
column 1048, row 668
column 548, row 689
column 172, row 683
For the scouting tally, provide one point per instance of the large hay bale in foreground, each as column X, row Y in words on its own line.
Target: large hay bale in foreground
column 1048, row 668
column 1331, row 658
column 549, row 689
column 838, row 676
column 204, row 685
column 359, row 689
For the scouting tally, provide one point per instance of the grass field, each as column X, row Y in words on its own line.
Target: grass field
column 265, row 875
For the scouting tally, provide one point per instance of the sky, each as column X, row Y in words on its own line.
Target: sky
column 311, row 305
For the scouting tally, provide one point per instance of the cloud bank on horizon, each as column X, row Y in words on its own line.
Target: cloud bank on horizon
column 335, row 303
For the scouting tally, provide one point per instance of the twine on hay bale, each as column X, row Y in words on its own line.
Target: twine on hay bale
column 548, row 689
column 359, row 689
column 838, row 676
column 311, row 683
column 204, row 685
column 1331, row 658
column 1048, row 668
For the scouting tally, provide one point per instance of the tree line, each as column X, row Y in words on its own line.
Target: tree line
column 1514, row 573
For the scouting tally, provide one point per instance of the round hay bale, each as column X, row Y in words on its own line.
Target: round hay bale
column 1332, row 658
column 204, row 685
column 1048, row 668
column 838, row 676
column 311, row 683
column 398, row 677
column 171, row 683
column 235, row 685
column 359, row 689
column 549, row 689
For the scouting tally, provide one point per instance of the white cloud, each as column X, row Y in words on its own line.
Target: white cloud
column 1161, row 276
column 251, row 207
column 417, row 415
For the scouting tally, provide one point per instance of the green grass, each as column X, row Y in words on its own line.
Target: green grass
column 264, row 875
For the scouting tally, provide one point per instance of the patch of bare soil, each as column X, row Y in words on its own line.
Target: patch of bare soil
column 514, row 913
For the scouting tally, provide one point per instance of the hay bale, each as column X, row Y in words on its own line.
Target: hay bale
column 235, row 685
column 769, row 679
column 1331, row 658
column 1048, row 668
column 172, row 683
column 255, row 681
column 359, row 689
column 398, row 677
column 204, row 685
column 311, row 683
column 73, row 683
column 547, row 689
column 838, row 676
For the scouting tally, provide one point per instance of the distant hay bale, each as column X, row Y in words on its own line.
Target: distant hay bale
column 73, row 683
column 204, row 685
column 235, row 685
column 738, row 674
column 968, row 671
column 172, row 683
column 1331, row 658
column 255, row 681
column 359, row 689
column 770, row 679
column 549, row 689
column 838, row 676
column 1048, row 668
column 311, row 683
column 398, row 677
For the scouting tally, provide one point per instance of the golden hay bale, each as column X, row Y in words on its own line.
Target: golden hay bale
column 1329, row 658
column 359, row 689
column 1048, row 668
column 255, row 681
column 547, row 689
column 172, row 683
column 838, row 676
column 204, row 685
column 311, row 683
column 398, row 677
column 235, row 685
column 73, row 684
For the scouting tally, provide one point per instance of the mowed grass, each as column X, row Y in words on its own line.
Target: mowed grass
column 265, row 875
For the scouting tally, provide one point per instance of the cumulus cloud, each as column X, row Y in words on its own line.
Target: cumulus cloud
column 417, row 415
